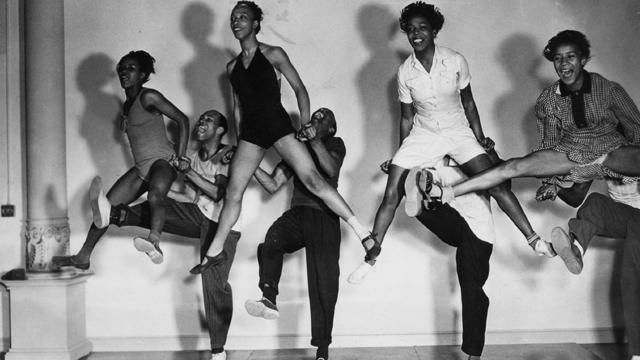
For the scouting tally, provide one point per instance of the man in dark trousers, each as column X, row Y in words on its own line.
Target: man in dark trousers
column 191, row 213
column 307, row 224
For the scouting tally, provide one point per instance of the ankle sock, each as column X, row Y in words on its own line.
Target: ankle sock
column 532, row 240
column 357, row 227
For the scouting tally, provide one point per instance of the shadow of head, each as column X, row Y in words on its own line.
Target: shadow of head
column 94, row 72
column 197, row 22
column 377, row 25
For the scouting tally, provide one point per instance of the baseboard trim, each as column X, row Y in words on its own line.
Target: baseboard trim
column 187, row 343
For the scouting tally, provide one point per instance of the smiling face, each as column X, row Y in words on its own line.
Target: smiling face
column 207, row 127
column 242, row 21
column 324, row 121
column 420, row 33
column 129, row 73
column 569, row 64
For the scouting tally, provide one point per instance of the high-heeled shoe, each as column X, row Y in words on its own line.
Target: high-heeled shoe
column 211, row 261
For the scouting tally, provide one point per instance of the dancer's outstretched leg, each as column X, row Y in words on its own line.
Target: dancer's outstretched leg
column 297, row 156
column 508, row 202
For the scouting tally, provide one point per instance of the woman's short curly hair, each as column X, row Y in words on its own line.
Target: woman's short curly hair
column 145, row 62
column 566, row 37
column 255, row 9
column 429, row 11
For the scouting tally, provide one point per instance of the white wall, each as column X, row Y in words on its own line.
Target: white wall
column 347, row 53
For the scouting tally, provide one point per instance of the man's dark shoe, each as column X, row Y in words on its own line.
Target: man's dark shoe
column 65, row 261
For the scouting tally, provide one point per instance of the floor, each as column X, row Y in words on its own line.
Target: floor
column 568, row 351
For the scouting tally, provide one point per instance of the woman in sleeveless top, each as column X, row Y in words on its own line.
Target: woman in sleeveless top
column 262, row 122
column 154, row 156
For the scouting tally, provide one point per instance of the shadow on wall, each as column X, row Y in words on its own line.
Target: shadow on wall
column 521, row 59
column 100, row 126
column 205, row 75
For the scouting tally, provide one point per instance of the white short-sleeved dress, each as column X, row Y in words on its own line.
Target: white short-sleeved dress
column 440, row 126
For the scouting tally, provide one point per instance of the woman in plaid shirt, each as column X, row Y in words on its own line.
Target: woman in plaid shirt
column 578, row 122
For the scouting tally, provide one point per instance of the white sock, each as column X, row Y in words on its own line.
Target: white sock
column 357, row 227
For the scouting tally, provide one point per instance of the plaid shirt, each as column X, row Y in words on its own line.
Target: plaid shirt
column 605, row 106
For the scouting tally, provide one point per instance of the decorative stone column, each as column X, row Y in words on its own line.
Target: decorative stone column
column 47, row 229
column 48, row 309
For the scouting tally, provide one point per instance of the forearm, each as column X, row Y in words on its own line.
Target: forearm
column 266, row 180
column 184, row 137
column 211, row 189
column 569, row 197
column 405, row 128
column 180, row 196
column 304, row 105
column 471, row 111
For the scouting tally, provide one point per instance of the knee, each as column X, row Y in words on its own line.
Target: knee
column 155, row 197
column 391, row 198
column 501, row 190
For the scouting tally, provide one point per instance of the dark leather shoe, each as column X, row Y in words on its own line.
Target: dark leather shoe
column 211, row 261
column 564, row 245
column 64, row 261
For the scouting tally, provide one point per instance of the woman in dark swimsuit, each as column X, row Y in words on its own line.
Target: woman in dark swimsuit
column 262, row 122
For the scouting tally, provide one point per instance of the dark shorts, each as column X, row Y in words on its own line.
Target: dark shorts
column 265, row 130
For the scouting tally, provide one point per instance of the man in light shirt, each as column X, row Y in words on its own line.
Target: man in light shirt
column 193, row 213
column 466, row 224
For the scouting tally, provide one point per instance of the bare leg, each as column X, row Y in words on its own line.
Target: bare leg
column 243, row 165
column 624, row 160
column 536, row 164
column 297, row 156
column 505, row 198
column 392, row 196
column 161, row 176
column 126, row 190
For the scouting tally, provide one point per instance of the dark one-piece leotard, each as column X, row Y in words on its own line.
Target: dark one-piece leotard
column 264, row 119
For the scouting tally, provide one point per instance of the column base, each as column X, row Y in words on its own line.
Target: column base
column 48, row 317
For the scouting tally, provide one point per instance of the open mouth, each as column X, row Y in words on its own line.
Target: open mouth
column 565, row 73
column 201, row 127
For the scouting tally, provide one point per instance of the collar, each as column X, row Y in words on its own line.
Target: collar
column 437, row 55
column 563, row 90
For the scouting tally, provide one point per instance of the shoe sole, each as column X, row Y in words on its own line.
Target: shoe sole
column 562, row 246
column 143, row 245
column 358, row 275
column 95, row 193
column 258, row 309
column 413, row 202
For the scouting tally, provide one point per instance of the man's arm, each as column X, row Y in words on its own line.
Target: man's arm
column 214, row 190
column 573, row 196
column 274, row 181
column 329, row 161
